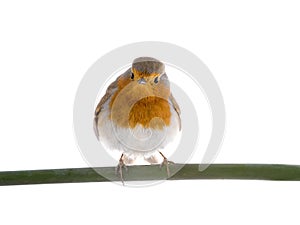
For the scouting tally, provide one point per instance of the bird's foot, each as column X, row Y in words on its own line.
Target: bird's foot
column 166, row 163
column 119, row 168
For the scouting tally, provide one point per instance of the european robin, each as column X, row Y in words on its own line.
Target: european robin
column 138, row 114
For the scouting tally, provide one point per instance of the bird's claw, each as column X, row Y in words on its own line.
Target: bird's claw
column 166, row 163
column 119, row 169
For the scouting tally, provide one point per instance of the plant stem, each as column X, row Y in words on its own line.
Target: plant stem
column 153, row 172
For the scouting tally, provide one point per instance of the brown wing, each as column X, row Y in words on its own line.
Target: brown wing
column 108, row 94
column 176, row 107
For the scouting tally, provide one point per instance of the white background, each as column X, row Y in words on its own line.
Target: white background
column 253, row 50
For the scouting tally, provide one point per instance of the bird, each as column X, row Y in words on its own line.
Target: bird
column 138, row 115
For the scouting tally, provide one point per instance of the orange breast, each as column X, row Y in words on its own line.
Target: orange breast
column 150, row 112
column 129, row 108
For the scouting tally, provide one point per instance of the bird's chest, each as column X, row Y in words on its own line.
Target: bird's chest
column 145, row 127
column 150, row 112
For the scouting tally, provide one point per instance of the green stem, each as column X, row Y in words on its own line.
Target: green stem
column 154, row 172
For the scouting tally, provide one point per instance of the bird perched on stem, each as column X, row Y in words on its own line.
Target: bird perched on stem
column 138, row 114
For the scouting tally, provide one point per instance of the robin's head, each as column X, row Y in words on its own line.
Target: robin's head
column 150, row 73
column 147, row 67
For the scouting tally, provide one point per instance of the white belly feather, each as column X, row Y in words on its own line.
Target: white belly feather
column 139, row 140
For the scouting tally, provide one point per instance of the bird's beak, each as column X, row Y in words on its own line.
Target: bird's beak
column 142, row 81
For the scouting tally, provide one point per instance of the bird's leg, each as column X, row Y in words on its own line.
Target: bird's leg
column 119, row 168
column 166, row 163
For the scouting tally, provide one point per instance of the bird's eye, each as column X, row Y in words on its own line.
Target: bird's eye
column 132, row 76
column 156, row 80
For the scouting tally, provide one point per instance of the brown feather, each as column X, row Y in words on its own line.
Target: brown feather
column 108, row 94
column 176, row 107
